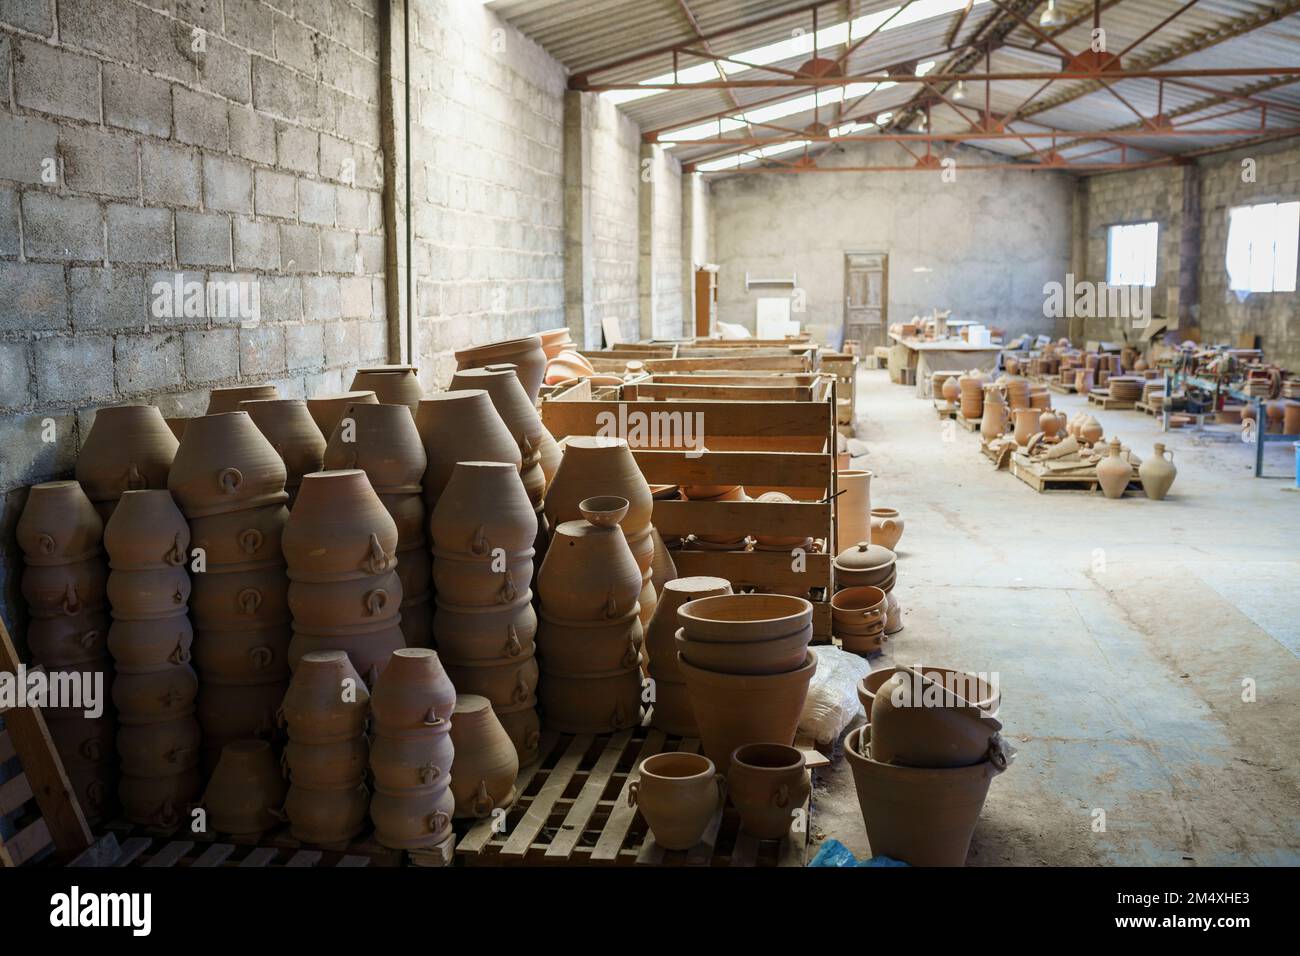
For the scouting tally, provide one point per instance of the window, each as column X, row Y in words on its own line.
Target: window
column 1131, row 254
column 1262, row 247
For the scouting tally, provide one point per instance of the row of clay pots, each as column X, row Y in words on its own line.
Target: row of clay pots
column 527, row 354
column 392, row 384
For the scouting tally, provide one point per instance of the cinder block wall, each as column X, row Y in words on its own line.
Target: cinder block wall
column 615, row 177
column 666, row 246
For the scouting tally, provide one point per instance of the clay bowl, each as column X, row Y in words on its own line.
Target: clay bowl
column 233, row 711
column 572, row 647
column 383, row 442
column 590, row 703
column 968, row 686
column 373, row 600
column 907, row 730
column 65, row 589
column 145, row 595
column 338, row 529
column 486, row 633
column 474, row 582
column 243, row 656
column 240, row 599
column 672, row 709
column 505, row 683
column 225, row 464
column 369, row 649
column 412, row 763
column 767, row 783
column 150, row 696
column 160, row 748
column 406, row 820
column 327, row 410
column 248, row 539
column 159, row 801
column 746, row 657
column 58, row 525
column 554, row 341
column 413, row 693
column 147, row 532
column 326, row 815
column 68, row 641
column 524, row 728
column 859, row 609
column 604, row 511
column 341, row 763
column 744, row 617
column 245, row 789
column 327, row 700
column 679, row 794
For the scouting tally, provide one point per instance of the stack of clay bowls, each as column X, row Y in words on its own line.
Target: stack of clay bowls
column 1125, row 388
column 292, row 432
column 972, row 397
column 246, row 790
column 392, row 384
column 590, row 634
column 596, row 466
column 719, row 542
column 1017, row 392
column 148, row 541
column 412, row 752
column 747, row 666
column 382, row 441
column 460, row 426
column 221, row 400
column 852, row 506
column 922, row 768
column 483, row 530
column 993, row 420
column 229, row 482
column 344, row 591
column 871, row 565
column 65, row 586
column 520, row 417
column 325, row 711
column 129, row 447
column 672, row 706
column 327, row 410
column 555, row 341
column 526, row 354
column 858, row 616
column 486, row 762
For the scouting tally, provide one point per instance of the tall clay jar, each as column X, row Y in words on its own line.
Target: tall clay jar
column 1157, row 473
column 460, row 426
column 768, row 783
column 292, row 432
column 486, row 762
column 594, row 466
column 129, row 448
column 1114, row 471
column 519, row 414
column 852, row 508
column 225, row 464
column 392, row 384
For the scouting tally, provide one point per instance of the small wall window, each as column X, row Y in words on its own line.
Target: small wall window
column 1262, row 244
column 1131, row 254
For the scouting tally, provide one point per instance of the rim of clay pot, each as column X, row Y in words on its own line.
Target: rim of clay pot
column 743, row 653
column 593, row 442
column 677, row 765
column 744, row 617
column 765, row 756
column 526, row 342
column 853, row 749
column 858, row 598
column 884, row 512
column 604, row 511
column 592, row 625
column 756, row 682
column 471, row 704
column 990, row 701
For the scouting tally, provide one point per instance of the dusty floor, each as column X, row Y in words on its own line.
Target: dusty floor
column 1125, row 633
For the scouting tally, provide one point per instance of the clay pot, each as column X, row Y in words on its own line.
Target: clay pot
column 916, row 722
column 745, row 617
column 240, row 600
column 242, row 540
column 969, row 687
column 66, row 641
column 588, row 574
column 483, row 507
column 578, row 646
column 59, row 525
column 923, row 817
column 410, row 820
column 1026, row 425
column 679, row 794
column 486, row 763
column 147, row 533
column 326, row 815
column 526, row 354
column 1049, row 424
column 228, row 399
column 371, row 600
column 413, row 694
column 746, row 657
column 160, row 748
column 1083, row 380
column 486, row 633
column 339, row 529
column 460, row 426
column 519, row 413
column 853, row 507
column 149, row 696
column 245, row 788
column 524, row 728
column 369, row 649
column 392, row 384
column 865, row 565
column 886, row 527
column 229, row 712
column 382, row 441
column 341, row 763
column 292, row 432
column 660, row 636
column 129, row 448
column 858, row 610
column 243, row 656
column 508, row 683
column 1114, row 472
column 158, row 801
column 590, row 703
column 735, row 709
column 767, row 783
column 225, row 464
column 994, row 420
column 483, row 582
column 1157, row 473
column 411, row 518
column 327, row 410
column 413, row 763
column 554, row 341
column 147, row 595
column 177, row 425
column 1089, row 430
column 84, row 743
column 327, row 701
column 603, row 511
column 672, row 712
column 594, row 465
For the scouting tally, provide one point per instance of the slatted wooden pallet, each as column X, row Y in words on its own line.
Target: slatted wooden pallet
column 991, row 455
column 945, row 410
column 1106, row 403
column 572, row 810
column 1147, row 409
column 1048, row 483
column 156, row 852
column 1061, row 388
column 970, row 424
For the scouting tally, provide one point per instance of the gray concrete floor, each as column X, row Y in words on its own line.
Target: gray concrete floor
column 1124, row 633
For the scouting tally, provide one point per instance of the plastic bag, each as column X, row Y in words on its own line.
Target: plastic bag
column 832, row 694
column 833, row 853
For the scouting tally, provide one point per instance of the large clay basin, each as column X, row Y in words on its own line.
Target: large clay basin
column 980, row 693
column 746, row 657
column 744, row 617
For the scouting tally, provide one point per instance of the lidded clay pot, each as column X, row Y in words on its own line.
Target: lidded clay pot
column 525, row 353
column 392, row 384
column 768, row 783
column 460, row 426
column 339, row 529
column 129, row 448
column 483, row 507
column 58, row 525
column 245, row 789
column 588, row 574
column 486, row 764
column 327, row 410
column 413, row 694
column 225, row 464
column 863, row 565
column 1114, row 472
column 292, row 432
column 228, row 399
column 327, row 700
column 660, row 644
column 147, row 533
column 679, row 794
column 886, row 527
column 594, row 465
column 382, row 441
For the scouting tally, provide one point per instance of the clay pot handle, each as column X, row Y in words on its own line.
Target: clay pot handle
column 250, row 540
column 250, row 599
column 89, row 639
column 611, row 605
column 176, row 556
column 781, row 798
column 437, row 821
column 874, row 614
column 431, row 719
column 508, row 591
column 520, row 694
column 483, row 802
column 532, row 740
column 71, row 603
column 180, row 654
column 230, row 480
column 166, row 814
column 632, row 655
column 45, row 543
column 95, row 792
column 134, row 480
column 1168, row 453
column 632, row 789
column 480, row 545
column 278, row 813
column 378, row 561
column 91, row 749
column 178, row 596
column 513, row 646
column 280, row 719
column 429, row 773
column 260, row 657
column 376, row 601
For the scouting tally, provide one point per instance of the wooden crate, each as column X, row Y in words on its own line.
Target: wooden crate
column 1042, row 481
column 1061, row 388
column 970, row 424
column 572, row 809
column 1102, row 400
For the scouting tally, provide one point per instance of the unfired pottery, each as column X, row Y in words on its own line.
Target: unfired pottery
column 327, row 410
column 745, row 617
column 660, row 636
column 392, row 384
column 678, row 794
column 483, row 507
column 412, row 694
column 485, row 762
column 228, row 399
column 147, row 532
column 506, row 683
column 768, row 656
column 768, row 783
column 917, row 722
column 594, row 465
column 886, row 527
column 292, row 432
column 327, row 700
column 411, row 820
column 525, row 353
column 225, row 464
column 339, row 529
column 383, row 442
column 59, row 525
column 590, row 703
column 330, row 815
column 129, row 447
column 1114, row 472
column 1158, row 472
column 460, row 426
column 246, row 786
column 588, row 574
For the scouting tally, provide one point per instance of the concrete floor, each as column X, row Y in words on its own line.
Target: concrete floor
column 1122, row 632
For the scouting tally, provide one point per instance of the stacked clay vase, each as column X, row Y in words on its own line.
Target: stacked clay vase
column 325, row 711
column 412, row 752
column 392, row 384
column 972, row 397
column 228, row 399
column 590, row 634
column 483, row 529
column 460, row 426
column 292, row 432
column 747, row 666
column 128, row 448
column 246, row 790
column 870, row 565
column 229, row 483
column 672, row 706
column 383, row 442
column 768, row 783
column 327, row 410
column 344, row 591
column 852, row 507
column 486, row 762
column 520, row 417
column 858, row 617
column 158, row 740
column 993, row 421
column 526, row 354
column 65, row 585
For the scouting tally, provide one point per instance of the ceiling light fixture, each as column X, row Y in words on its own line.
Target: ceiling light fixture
column 959, row 94
column 1051, row 16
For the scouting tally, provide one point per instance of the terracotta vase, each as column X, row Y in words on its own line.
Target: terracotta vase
column 745, row 617
column 147, row 533
column 769, row 656
column 59, row 525
column 508, row 683
column 1114, row 471
column 1026, row 425
column 994, row 421
column 483, row 507
column 577, row 646
column 383, row 442
column 768, row 783
column 228, row 399
column 331, row 815
column 486, row 764
column 413, row 763
column 852, row 507
column 292, row 432
column 161, row 748
column 369, row 649
column 483, row 582
column 519, row 413
column 486, row 633
column 392, row 384
column 245, row 789
column 1090, row 430
column 412, row 694
column 525, row 353
column 460, row 426
column 340, row 763
column 148, row 595
column 554, row 341
column 225, row 464
column 917, row 722
column 375, row 599
column 327, row 700
column 129, row 448
column 590, row 703
column 242, row 540
column 589, row 574
column 678, row 794
column 734, row 709
column 159, row 801
column 594, row 465
column 660, row 636
column 886, row 527
column 411, row 820
column 1049, row 424
column 339, row 529
column 951, row 389
column 1157, row 473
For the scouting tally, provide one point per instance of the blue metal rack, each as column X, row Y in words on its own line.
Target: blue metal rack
column 1222, row 390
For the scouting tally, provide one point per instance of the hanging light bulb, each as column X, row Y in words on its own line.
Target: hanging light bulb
column 1050, row 17
column 959, row 94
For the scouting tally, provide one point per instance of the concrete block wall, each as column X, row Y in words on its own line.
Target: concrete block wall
column 666, row 248
column 615, row 175
column 230, row 141
column 697, row 239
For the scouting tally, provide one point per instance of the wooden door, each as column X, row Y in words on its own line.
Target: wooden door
column 866, row 299
column 706, row 300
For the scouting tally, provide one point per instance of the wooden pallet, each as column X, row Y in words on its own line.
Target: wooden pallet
column 970, row 424
column 1051, row 483
column 991, row 455
column 945, row 411
column 572, row 810
column 1061, row 388
column 156, row 852
column 1144, row 408
column 1106, row 403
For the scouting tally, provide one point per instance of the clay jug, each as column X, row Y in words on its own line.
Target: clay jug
column 1157, row 473
column 413, row 694
column 485, row 765
column 460, row 426
column 244, row 789
column 225, row 464
column 852, row 508
column 592, row 466
column 951, row 389
column 1114, row 471
column 331, row 815
column 383, row 442
column 526, row 354
column 1090, row 430
column 147, row 532
column 129, row 448
column 588, row 574
column 678, row 794
column 768, row 783
column 292, row 432
column 326, row 701
column 886, row 527
column 326, row 410
column 59, row 525
column 392, row 384
column 659, row 643
column 228, row 399
column 339, row 529
column 483, row 507
column 1026, row 425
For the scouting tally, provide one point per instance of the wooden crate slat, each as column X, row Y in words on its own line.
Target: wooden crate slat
column 215, row 855
column 29, row 841
column 780, row 519
column 621, row 816
column 539, row 811
column 7, row 751
column 652, row 391
column 132, row 850
column 775, row 363
column 304, row 858
column 760, row 379
column 765, row 469
column 260, row 857
column 575, row 821
column 778, row 419
column 759, row 569
column 14, row 793
column 171, row 854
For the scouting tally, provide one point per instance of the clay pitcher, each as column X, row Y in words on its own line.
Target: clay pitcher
column 1114, row 471
column 1157, row 473
column 1026, row 425
column 460, row 426
column 129, row 448
column 768, row 783
column 678, row 794
column 852, row 508
column 485, row 764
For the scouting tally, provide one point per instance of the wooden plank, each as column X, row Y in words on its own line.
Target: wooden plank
column 749, row 468
column 103, row 852
column 132, row 849
column 584, row 805
column 304, row 859
column 719, row 393
column 259, row 858
column 539, row 811
column 778, row 519
column 171, row 854
column 215, row 855
column 481, row 833
column 621, row 815
column 775, row 363
column 666, row 428
column 760, row 379
column 29, row 841
column 14, row 793
column 758, row 569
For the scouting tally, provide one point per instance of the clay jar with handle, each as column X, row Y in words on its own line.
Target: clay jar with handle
column 327, row 700
column 339, row 529
column 852, row 507
column 149, row 645
column 1114, row 471
column 148, row 595
column 243, row 656
column 292, row 432
column 413, row 693
column 483, row 507
column 1158, row 473
column 525, row 353
column 994, row 420
column 229, row 398
column 660, row 644
column 576, row 646
column 158, row 801
column 59, row 525
column 240, row 599
column 413, row 763
column 588, row 574
column 147, row 533
column 508, row 683
column 392, row 384
column 160, row 748
column 482, row 582
column 594, row 465
column 68, row 641
column 382, row 441
column 374, row 599
column 129, row 448
column 460, row 426
column 242, row 540
column 327, row 410
column 326, row 815
column 917, row 722
column 65, row 589
column 486, row 633
column 244, row 789
column 768, row 783
column 225, row 464
column 585, row 703
column 678, row 794
column 408, row 821
column 886, row 527
column 485, row 765
column 518, row 413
